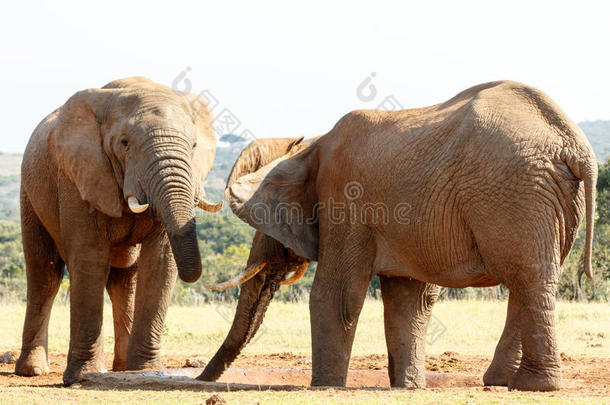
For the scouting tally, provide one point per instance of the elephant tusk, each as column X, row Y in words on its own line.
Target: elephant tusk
column 208, row 206
column 296, row 275
column 135, row 206
column 246, row 275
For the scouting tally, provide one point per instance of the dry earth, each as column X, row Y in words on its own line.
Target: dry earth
column 449, row 372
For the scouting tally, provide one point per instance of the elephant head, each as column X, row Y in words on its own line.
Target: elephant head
column 272, row 261
column 135, row 145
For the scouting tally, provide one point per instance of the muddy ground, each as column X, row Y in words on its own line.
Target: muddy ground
column 447, row 372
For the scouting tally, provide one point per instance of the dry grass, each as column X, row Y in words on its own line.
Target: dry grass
column 470, row 327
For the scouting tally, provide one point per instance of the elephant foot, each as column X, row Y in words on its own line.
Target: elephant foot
column 77, row 369
column 528, row 380
column 32, row 363
column 499, row 376
column 412, row 378
column 144, row 364
column 411, row 384
column 328, row 381
column 118, row 365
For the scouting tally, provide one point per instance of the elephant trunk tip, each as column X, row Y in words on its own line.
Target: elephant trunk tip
column 186, row 253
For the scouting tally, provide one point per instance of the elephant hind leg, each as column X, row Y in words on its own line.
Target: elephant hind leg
column 44, row 270
column 535, row 287
column 508, row 351
column 407, row 305
column 121, row 287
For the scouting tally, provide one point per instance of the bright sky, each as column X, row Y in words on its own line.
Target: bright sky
column 288, row 70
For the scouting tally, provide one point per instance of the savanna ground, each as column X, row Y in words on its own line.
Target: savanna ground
column 462, row 339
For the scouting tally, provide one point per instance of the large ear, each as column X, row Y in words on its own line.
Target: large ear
column 77, row 146
column 260, row 153
column 280, row 200
column 203, row 155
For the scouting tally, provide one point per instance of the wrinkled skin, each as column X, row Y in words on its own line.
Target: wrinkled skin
column 132, row 138
column 487, row 188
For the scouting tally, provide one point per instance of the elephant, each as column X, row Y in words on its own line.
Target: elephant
column 489, row 187
column 110, row 182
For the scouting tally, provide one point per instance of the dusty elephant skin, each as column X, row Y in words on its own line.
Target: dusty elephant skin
column 110, row 182
column 489, row 187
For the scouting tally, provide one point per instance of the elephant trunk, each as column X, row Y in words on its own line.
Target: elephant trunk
column 186, row 252
column 172, row 196
column 268, row 265
column 254, row 298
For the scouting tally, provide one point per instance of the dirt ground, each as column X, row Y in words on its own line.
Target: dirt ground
column 447, row 372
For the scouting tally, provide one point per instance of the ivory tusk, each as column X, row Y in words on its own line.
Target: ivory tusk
column 296, row 276
column 246, row 275
column 135, row 206
column 208, row 206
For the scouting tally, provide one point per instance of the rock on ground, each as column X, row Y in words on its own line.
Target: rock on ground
column 215, row 400
column 196, row 362
column 9, row 357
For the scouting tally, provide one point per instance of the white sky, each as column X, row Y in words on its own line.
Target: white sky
column 288, row 70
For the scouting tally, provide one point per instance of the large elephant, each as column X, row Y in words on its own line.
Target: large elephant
column 91, row 170
column 489, row 187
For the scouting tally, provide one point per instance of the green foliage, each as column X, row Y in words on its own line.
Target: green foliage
column 603, row 194
column 598, row 133
column 12, row 263
column 216, row 268
column 223, row 231
column 9, row 197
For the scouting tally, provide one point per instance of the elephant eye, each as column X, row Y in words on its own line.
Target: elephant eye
column 125, row 142
column 194, row 144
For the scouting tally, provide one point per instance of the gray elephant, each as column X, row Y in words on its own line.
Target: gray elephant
column 110, row 182
column 489, row 187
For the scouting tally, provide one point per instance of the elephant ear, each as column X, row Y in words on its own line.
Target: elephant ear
column 203, row 155
column 280, row 200
column 260, row 153
column 77, row 145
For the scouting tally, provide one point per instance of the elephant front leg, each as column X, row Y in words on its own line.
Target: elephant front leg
column 121, row 288
column 336, row 299
column 508, row 352
column 156, row 278
column 407, row 305
column 86, row 354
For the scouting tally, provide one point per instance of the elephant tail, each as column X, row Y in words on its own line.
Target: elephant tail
column 584, row 167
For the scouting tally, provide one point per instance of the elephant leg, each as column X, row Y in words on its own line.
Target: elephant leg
column 540, row 363
column 335, row 302
column 88, row 277
column 508, row 351
column 407, row 305
column 44, row 269
column 121, row 288
column 87, row 254
column 157, row 273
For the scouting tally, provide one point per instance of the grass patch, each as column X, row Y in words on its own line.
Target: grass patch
column 468, row 327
